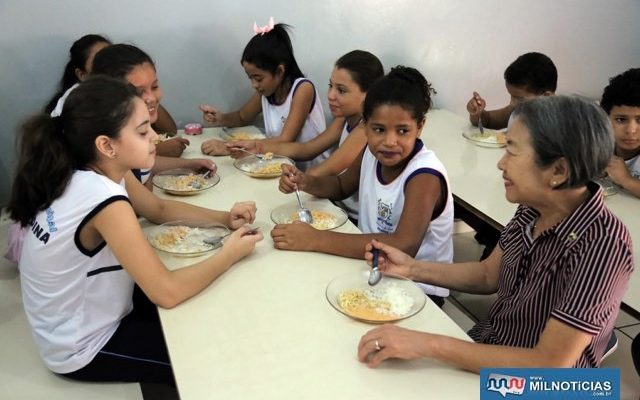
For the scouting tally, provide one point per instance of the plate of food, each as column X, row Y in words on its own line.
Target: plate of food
column 266, row 165
column 187, row 238
column 325, row 215
column 490, row 137
column 393, row 299
column 608, row 187
column 240, row 134
column 184, row 182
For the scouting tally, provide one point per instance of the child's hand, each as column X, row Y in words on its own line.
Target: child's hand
column 210, row 114
column 242, row 213
column 214, row 147
column 295, row 236
column 291, row 178
column 172, row 147
column 390, row 259
column 202, row 165
column 250, row 146
column 617, row 171
column 241, row 242
column 476, row 105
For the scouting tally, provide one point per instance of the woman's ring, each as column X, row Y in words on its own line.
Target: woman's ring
column 378, row 348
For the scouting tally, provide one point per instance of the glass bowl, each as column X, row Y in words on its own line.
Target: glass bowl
column 490, row 137
column 228, row 134
column 393, row 299
column 184, row 181
column 257, row 167
column 325, row 215
column 187, row 238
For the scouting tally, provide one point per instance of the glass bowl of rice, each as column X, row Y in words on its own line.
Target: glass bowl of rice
column 325, row 215
column 184, row 181
column 393, row 299
column 187, row 238
column 262, row 165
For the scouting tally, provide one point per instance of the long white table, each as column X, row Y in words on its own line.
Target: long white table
column 477, row 183
column 264, row 330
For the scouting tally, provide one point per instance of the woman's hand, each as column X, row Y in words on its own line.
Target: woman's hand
column 241, row 242
column 172, row 147
column 214, row 147
column 211, row 115
column 291, row 178
column 390, row 341
column 390, row 259
column 295, row 236
column 476, row 105
column 242, row 213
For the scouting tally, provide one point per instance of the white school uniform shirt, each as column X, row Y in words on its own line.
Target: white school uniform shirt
column 350, row 204
column 633, row 165
column 142, row 174
column 74, row 298
column 276, row 115
column 381, row 206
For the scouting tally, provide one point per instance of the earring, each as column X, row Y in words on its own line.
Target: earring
column 554, row 183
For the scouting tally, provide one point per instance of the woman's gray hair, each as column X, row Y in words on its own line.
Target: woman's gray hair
column 571, row 127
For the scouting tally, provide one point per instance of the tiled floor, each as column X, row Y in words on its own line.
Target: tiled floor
column 465, row 309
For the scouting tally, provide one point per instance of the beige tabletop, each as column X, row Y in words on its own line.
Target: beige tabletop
column 476, row 181
column 264, row 330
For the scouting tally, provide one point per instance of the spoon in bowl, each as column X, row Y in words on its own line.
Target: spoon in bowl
column 303, row 213
column 374, row 274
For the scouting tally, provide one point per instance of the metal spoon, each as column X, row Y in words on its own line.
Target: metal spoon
column 197, row 185
column 259, row 156
column 374, row 274
column 303, row 213
column 217, row 240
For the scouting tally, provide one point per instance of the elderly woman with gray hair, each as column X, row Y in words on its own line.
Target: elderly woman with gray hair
column 560, row 268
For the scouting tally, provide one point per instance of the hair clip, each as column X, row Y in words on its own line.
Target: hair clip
column 263, row 29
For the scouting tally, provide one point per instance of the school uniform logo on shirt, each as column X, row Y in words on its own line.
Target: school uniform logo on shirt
column 39, row 231
column 385, row 211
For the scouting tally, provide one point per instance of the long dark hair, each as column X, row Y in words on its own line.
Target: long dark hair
column 78, row 54
column 118, row 60
column 51, row 149
column 272, row 49
column 403, row 86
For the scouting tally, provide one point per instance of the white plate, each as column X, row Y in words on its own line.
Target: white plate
column 409, row 299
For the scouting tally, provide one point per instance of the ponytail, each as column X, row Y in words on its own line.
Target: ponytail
column 52, row 149
column 271, row 49
column 44, row 168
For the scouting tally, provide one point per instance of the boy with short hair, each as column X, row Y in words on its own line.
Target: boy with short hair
column 621, row 101
column 529, row 76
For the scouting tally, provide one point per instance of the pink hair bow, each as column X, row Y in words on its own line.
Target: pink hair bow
column 263, row 29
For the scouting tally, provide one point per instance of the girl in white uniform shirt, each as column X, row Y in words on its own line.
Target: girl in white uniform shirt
column 350, row 80
column 84, row 250
column 289, row 103
column 404, row 191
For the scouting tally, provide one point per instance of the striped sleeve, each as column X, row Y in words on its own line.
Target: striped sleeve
column 599, row 275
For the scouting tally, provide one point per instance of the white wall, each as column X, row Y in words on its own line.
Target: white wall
column 460, row 46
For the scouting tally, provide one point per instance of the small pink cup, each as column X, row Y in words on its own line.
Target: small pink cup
column 193, row 129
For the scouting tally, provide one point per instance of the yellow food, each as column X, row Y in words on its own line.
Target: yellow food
column 274, row 168
column 322, row 220
column 267, row 156
column 356, row 303
column 242, row 136
column 490, row 136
